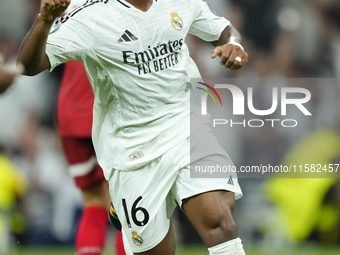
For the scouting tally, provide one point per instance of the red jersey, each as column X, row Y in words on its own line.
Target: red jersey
column 75, row 102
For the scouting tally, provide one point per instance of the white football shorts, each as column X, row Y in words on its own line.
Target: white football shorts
column 144, row 199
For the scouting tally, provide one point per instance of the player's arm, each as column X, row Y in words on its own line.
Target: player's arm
column 229, row 48
column 32, row 50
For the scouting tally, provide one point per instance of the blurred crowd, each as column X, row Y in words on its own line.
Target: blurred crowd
column 284, row 39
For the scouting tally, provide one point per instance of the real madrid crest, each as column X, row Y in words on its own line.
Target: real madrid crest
column 138, row 240
column 176, row 21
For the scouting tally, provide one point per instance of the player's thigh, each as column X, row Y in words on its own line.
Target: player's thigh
column 209, row 202
column 144, row 204
column 166, row 247
column 190, row 183
column 211, row 214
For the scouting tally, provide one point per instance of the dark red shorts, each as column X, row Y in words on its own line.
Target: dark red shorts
column 83, row 165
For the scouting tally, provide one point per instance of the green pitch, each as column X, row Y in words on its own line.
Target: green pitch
column 186, row 251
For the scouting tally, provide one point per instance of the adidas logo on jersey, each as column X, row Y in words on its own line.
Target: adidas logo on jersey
column 230, row 181
column 136, row 155
column 127, row 37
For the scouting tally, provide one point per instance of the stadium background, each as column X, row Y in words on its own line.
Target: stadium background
column 284, row 38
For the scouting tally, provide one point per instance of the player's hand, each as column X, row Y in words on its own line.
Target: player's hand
column 232, row 56
column 7, row 76
column 52, row 9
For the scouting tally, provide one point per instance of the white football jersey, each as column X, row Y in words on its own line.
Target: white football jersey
column 139, row 67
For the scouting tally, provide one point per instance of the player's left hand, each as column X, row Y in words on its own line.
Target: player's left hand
column 233, row 57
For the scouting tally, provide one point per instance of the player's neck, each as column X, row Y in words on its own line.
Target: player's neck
column 142, row 5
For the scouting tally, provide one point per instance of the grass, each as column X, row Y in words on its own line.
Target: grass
column 186, row 251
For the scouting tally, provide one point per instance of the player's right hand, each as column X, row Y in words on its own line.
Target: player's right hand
column 52, row 9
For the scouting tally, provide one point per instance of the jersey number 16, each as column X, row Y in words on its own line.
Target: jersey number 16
column 134, row 211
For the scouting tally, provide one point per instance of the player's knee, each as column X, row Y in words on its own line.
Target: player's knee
column 229, row 229
column 222, row 222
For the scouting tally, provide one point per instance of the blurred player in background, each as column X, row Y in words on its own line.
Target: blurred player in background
column 139, row 67
column 74, row 114
column 308, row 208
column 7, row 76
column 13, row 184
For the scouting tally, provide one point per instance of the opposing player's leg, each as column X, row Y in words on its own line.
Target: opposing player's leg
column 91, row 232
column 88, row 176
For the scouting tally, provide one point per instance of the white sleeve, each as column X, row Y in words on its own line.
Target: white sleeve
column 70, row 38
column 207, row 25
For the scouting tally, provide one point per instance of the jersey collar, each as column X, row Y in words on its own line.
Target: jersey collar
column 128, row 5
